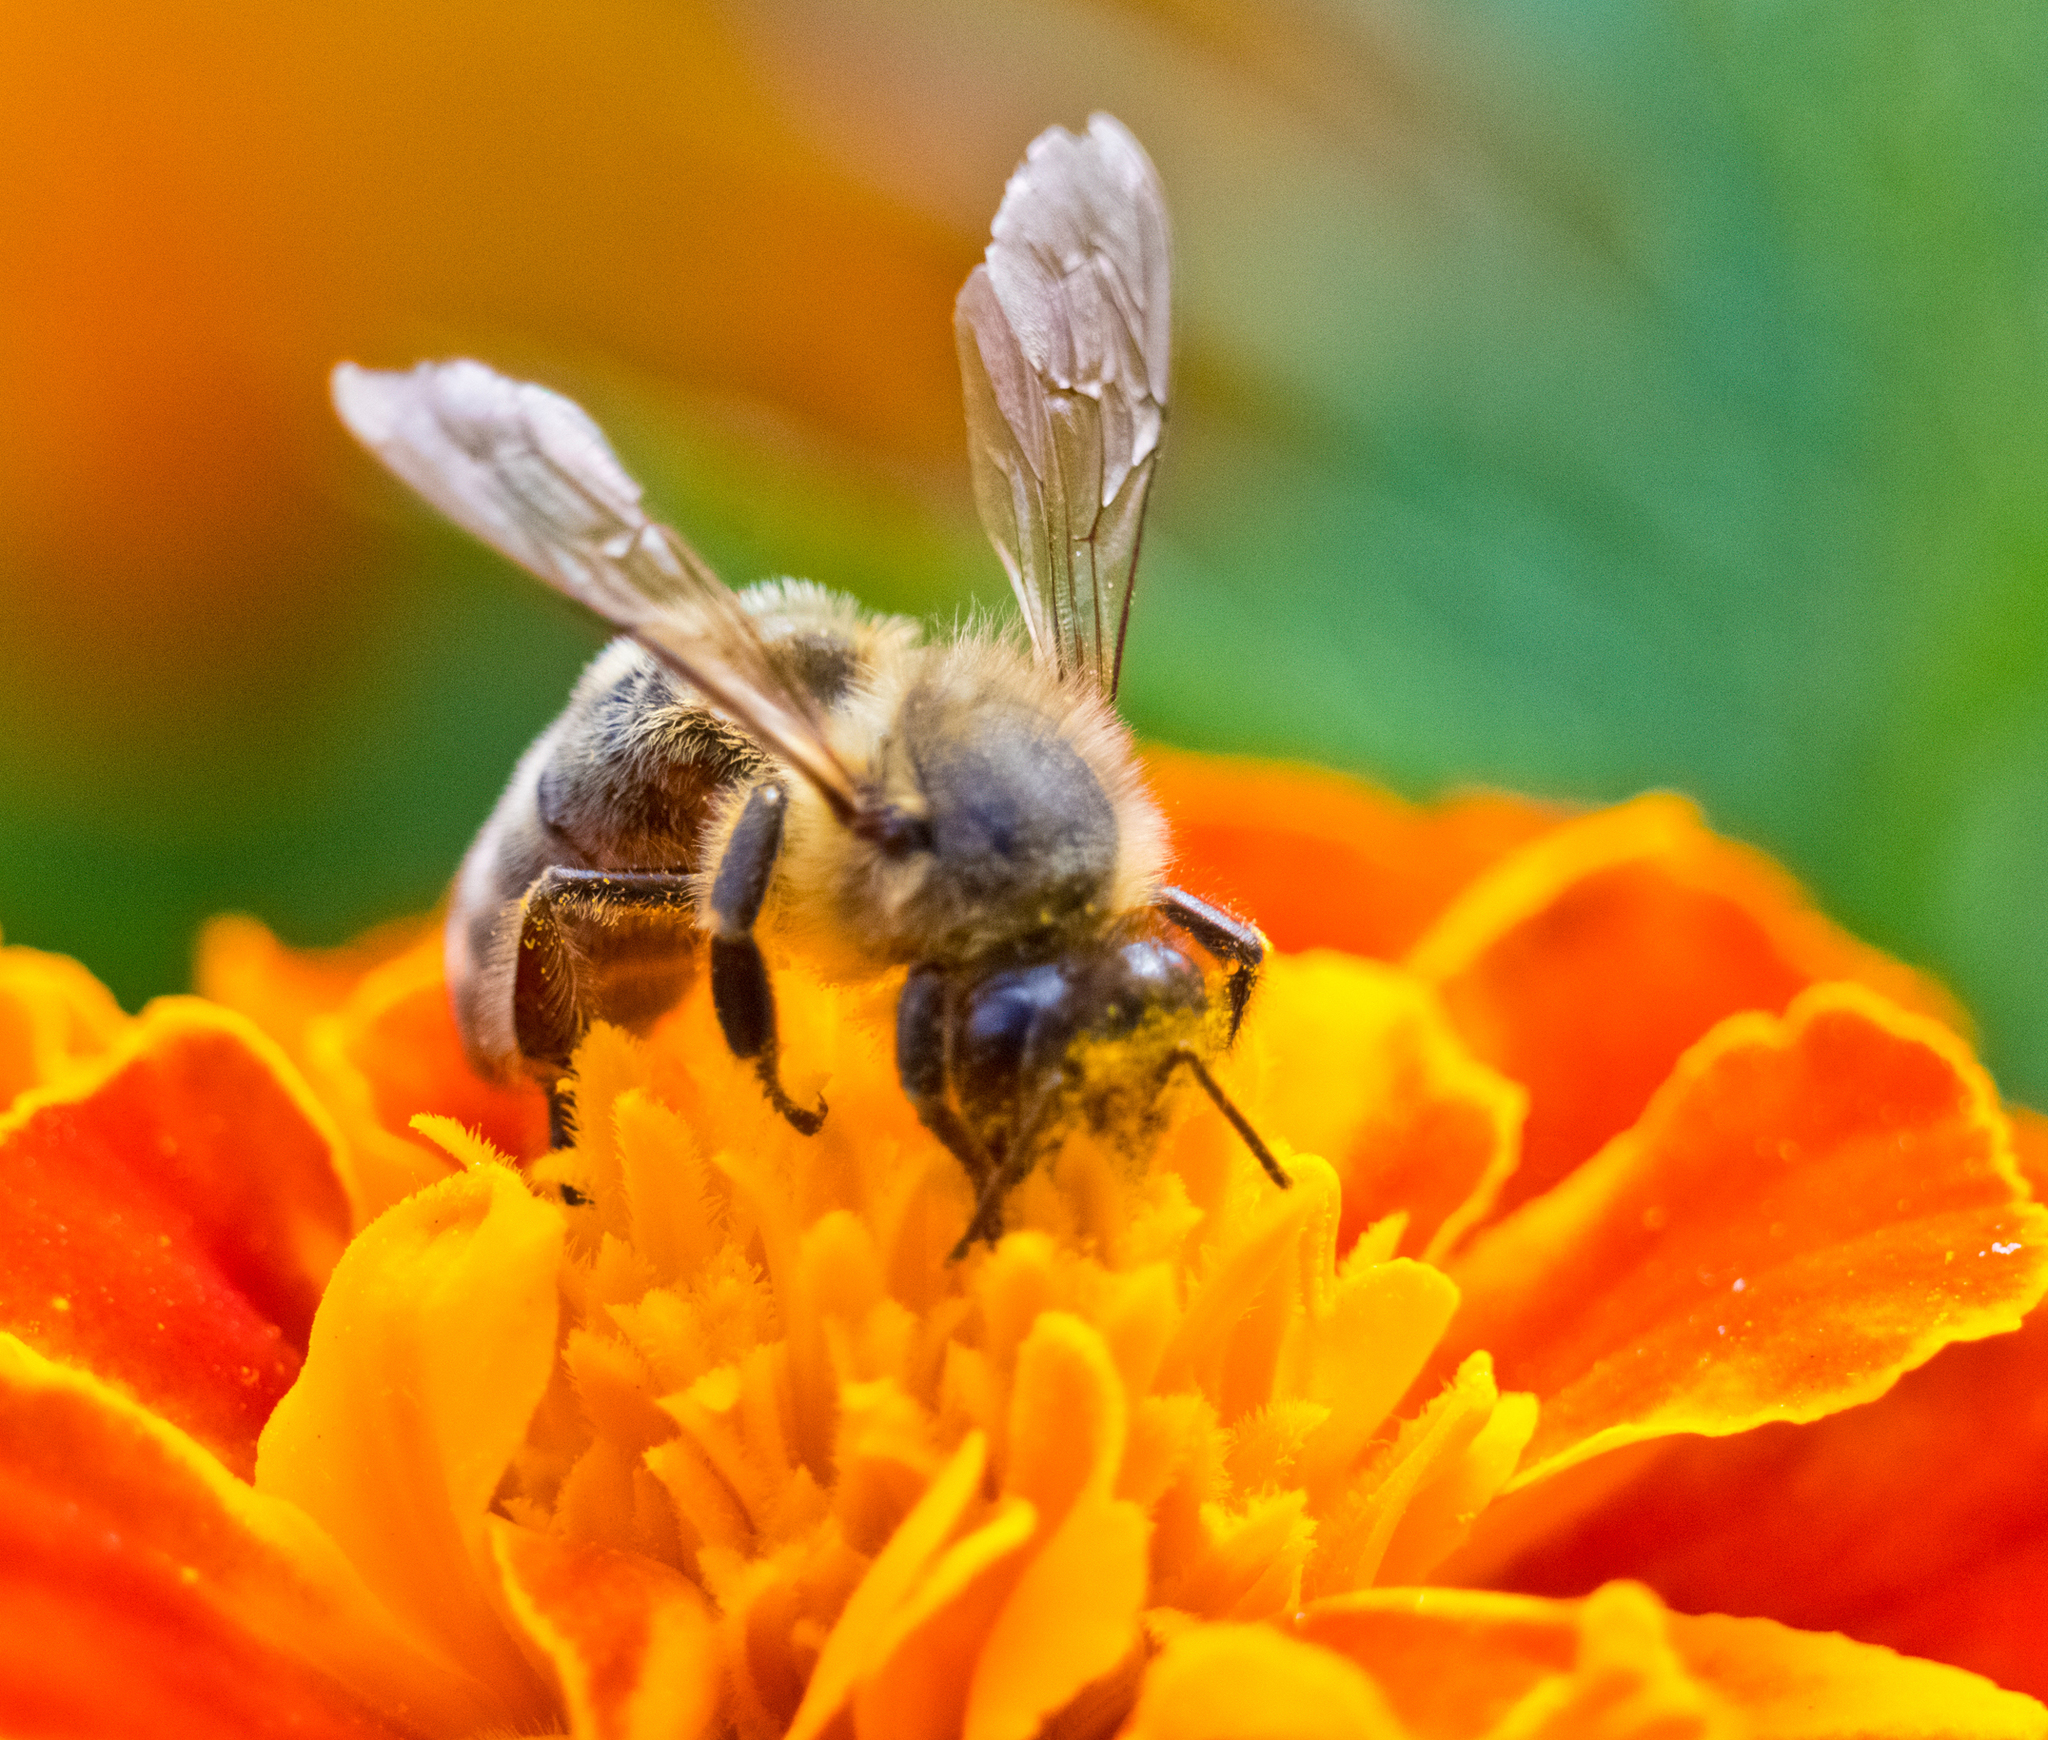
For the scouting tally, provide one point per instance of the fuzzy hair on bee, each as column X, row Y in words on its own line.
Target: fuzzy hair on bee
column 964, row 807
column 1034, row 822
column 626, row 778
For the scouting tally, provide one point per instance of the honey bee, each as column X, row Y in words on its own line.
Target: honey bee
column 959, row 808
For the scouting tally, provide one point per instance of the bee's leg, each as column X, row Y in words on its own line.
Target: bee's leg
column 1042, row 1069
column 561, row 1114
column 924, row 1069
column 1017, row 1161
column 1238, row 1121
column 1227, row 938
column 740, row 990
column 614, row 945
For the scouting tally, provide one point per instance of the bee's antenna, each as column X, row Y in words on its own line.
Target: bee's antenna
column 1238, row 1121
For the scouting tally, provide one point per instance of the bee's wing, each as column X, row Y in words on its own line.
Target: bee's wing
column 528, row 472
column 1063, row 340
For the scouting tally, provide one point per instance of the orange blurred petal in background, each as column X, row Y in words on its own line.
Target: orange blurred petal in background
column 1584, row 965
column 200, row 223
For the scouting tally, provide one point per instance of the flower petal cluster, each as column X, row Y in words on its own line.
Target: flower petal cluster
column 332, row 1401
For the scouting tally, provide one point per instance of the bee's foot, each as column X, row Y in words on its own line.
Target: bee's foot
column 986, row 1224
column 802, row 1120
column 988, row 1214
column 805, row 1123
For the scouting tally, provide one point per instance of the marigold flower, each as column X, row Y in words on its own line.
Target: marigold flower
column 332, row 1401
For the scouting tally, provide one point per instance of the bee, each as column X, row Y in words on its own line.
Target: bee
column 958, row 808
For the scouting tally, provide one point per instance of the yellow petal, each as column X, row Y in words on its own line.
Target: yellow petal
column 1471, row 1662
column 1414, row 1500
column 430, row 1351
column 53, row 1015
column 1067, row 1416
column 1071, row 1618
column 1245, row 1682
column 1361, row 1065
column 1799, row 1685
column 856, row 1640
column 926, row 1661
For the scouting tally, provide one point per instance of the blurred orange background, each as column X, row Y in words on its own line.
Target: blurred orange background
column 736, row 230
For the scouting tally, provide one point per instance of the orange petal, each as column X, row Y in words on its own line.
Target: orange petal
column 1583, row 964
column 1454, row 1662
column 1363, row 1068
column 240, row 964
column 433, row 1346
column 53, row 1014
column 1920, row 1521
column 171, row 1218
column 1809, row 1208
column 630, row 1640
column 391, row 1052
column 144, row 1590
column 1321, row 860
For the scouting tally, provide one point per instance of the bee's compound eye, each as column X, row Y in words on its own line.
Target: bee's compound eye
column 997, row 1021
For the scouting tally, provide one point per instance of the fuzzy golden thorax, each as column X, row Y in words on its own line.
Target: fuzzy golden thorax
column 1034, row 829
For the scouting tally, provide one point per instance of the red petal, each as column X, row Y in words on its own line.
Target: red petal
column 170, row 1223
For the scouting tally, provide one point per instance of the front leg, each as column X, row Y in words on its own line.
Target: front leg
column 740, row 990
column 1229, row 939
column 1018, row 1159
column 1041, row 1080
column 923, row 1068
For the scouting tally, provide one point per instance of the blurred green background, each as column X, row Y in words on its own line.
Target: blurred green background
column 1575, row 397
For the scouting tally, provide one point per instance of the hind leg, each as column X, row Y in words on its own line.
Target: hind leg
column 596, row 945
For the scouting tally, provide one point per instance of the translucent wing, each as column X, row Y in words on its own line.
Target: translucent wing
column 527, row 471
column 1063, row 340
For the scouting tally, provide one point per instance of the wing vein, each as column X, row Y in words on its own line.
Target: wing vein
column 1063, row 335
column 527, row 471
